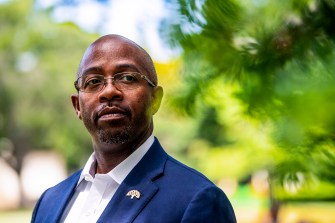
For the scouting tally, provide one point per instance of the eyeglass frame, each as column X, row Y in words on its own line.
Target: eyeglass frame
column 113, row 81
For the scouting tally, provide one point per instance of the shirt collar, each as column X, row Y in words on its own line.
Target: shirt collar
column 120, row 172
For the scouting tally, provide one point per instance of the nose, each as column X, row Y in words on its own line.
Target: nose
column 109, row 92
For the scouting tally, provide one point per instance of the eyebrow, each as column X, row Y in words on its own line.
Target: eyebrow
column 126, row 65
column 99, row 69
column 91, row 69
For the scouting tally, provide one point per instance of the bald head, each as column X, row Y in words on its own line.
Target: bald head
column 113, row 46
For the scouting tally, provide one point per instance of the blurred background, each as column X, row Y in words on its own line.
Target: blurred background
column 249, row 97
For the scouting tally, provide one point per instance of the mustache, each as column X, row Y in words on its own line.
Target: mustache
column 111, row 108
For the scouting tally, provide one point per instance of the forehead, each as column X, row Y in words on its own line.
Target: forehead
column 110, row 54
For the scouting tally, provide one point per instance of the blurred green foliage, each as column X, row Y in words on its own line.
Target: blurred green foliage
column 259, row 76
column 38, row 67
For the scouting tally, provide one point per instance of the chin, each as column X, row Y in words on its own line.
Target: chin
column 115, row 136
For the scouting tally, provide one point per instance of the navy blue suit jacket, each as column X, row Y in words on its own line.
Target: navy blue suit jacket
column 170, row 192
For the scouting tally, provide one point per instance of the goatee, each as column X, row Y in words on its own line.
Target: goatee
column 119, row 137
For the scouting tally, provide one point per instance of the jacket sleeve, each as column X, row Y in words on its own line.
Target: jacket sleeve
column 209, row 205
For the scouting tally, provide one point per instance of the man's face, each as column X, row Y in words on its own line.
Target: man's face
column 110, row 115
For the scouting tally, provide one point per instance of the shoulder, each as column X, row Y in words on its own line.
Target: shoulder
column 71, row 180
column 185, row 173
column 180, row 178
column 59, row 189
column 198, row 198
column 207, row 202
column 54, row 199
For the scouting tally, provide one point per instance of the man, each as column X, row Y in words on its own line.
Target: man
column 129, row 177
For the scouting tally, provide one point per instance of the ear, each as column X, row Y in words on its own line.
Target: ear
column 157, row 99
column 75, row 103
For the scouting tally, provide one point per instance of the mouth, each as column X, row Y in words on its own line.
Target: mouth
column 112, row 114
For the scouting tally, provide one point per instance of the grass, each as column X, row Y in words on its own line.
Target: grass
column 16, row 216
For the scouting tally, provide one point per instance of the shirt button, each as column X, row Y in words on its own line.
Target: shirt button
column 88, row 213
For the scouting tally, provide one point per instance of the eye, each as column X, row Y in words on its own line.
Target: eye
column 127, row 78
column 93, row 81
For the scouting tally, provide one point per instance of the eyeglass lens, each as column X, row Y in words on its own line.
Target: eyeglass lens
column 122, row 81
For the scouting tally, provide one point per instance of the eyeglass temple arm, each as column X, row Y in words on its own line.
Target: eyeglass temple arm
column 148, row 80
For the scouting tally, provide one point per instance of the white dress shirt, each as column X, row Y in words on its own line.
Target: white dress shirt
column 94, row 191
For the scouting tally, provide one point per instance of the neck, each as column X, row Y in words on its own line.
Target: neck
column 113, row 156
column 110, row 155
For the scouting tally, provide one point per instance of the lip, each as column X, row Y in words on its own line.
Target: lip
column 111, row 113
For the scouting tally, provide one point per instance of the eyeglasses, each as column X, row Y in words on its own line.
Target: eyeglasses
column 122, row 81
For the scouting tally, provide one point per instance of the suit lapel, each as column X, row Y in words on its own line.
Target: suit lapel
column 124, row 209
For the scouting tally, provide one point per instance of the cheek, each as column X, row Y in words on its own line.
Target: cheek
column 85, row 107
column 140, row 102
